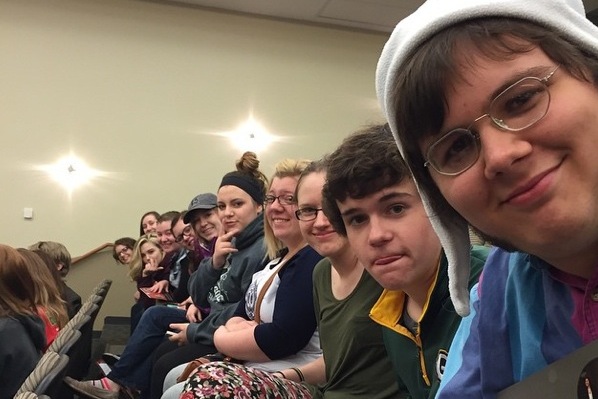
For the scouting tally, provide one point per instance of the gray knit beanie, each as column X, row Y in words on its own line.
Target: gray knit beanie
column 564, row 16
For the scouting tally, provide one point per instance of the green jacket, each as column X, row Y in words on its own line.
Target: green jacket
column 419, row 360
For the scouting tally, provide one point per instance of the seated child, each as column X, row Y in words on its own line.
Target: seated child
column 371, row 198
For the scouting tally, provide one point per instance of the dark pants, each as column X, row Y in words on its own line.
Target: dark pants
column 168, row 356
column 134, row 368
column 136, row 313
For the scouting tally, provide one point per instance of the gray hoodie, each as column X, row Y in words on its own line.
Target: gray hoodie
column 221, row 290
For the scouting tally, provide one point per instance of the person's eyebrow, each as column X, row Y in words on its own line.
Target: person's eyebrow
column 350, row 211
column 306, row 205
column 536, row 71
column 387, row 197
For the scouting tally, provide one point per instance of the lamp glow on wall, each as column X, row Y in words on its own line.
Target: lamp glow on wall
column 251, row 136
column 70, row 172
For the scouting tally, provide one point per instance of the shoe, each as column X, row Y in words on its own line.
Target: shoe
column 110, row 358
column 104, row 367
column 89, row 390
column 128, row 393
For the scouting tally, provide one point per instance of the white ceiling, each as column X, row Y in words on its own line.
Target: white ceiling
column 374, row 15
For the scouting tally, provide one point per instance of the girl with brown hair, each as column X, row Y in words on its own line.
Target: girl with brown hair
column 22, row 337
column 51, row 308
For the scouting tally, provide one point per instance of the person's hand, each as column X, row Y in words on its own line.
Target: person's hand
column 238, row 324
column 223, row 248
column 151, row 267
column 193, row 314
column 160, row 286
column 181, row 336
column 185, row 303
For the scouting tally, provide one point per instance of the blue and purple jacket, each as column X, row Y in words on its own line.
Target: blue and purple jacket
column 525, row 314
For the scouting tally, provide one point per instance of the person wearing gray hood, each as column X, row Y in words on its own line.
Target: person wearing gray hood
column 22, row 336
column 493, row 105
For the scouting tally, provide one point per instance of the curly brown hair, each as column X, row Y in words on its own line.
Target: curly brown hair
column 366, row 162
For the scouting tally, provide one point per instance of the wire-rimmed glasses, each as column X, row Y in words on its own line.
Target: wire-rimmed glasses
column 517, row 107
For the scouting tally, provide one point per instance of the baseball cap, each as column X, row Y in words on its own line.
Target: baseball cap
column 200, row 202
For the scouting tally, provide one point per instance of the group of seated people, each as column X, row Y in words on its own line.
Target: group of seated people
column 326, row 280
column 35, row 303
column 353, row 276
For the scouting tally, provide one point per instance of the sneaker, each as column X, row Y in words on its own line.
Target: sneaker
column 95, row 389
column 104, row 367
column 110, row 358
column 128, row 393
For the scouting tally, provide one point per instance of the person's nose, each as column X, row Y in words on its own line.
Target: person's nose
column 276, row 205
column 379, row 233
column 321, row 220
column 500, row 149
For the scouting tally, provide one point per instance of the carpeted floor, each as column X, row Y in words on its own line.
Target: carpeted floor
column 115, row 333
column 112, row 339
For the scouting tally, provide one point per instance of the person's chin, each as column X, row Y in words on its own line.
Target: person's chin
column 230, row 226
column 208, row 232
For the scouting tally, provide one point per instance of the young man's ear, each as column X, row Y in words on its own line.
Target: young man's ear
column 59, row 266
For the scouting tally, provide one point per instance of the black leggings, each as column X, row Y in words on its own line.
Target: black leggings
column 169, row 355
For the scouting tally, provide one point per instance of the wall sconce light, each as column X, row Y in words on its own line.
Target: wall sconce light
column 70, row 172
column 251, row 136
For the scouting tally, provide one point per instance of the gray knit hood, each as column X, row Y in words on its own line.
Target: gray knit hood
column 565, row 16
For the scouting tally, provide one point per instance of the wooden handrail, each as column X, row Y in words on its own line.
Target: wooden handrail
column 93, row 251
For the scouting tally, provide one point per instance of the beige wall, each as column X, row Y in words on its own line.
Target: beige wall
column 136, row 88
column 89, row 272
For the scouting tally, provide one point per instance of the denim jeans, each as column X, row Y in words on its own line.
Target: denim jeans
column 136, row 313
column 134, row 369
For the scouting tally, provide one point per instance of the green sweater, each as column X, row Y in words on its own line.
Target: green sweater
column 419, row 360
column 356, row 362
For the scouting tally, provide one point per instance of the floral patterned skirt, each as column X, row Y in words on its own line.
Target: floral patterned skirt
column 219, row 380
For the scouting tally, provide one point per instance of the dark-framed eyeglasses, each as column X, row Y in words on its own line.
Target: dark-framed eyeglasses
column 285, row 199
column 308, row 213
column 124, row 250
column 518, row 107
column 187, row 232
